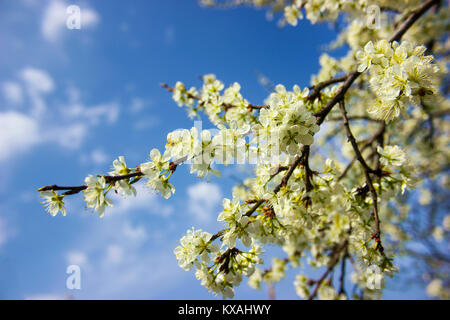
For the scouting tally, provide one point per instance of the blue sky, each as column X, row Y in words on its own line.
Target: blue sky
column 71, row 101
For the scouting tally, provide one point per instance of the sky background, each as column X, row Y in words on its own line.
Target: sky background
column 72, row 101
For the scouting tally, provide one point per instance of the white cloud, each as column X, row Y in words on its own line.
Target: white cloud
column 96, row 157
column 13, row 92
column 77, row 258
column 203, row 199
column 89, row 18
column 67, row 126
column 70, row 136
column 37, row 80
column 46, row 296
column 54, row 20
column 136, row 234
column 38, row 83
column 133, row 274
column 99, row 157
column 93, row 115
column 18, row 133
column 146, row 123
column 137, row 104
column 53, row 23
column 114, row 254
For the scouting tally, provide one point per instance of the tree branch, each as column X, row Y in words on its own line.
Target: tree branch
column 334, row 260
column 321, row 85
column 356, row 118
column 366, row 144
column 225, row 106
column 77, row 189
column 258, row 203
column 367, row 172
column 415, row 15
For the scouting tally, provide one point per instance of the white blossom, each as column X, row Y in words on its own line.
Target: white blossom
column 95, row 194
column 53, row 202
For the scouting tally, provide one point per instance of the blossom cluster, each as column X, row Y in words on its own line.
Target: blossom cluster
column 288, row 119
column 221, row 106
column 282, row 125
column 400, row 73
column 219, row 270
column 317, row 10
column 287, row 220
column 282, row 128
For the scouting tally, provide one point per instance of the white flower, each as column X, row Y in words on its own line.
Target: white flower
column 201, row 163
column 392, row 155
column 438, row 234
column 301, row 286
column 123, row 185
column 231, row 210
column 153, row 168
column 232, row 94
column 255, row 280
column 162, row 185
column 400, row 74
column 195, row 242
column 209, row 78
column 292, row 14
column 160, row 162
column 374, row 278
column 228, row 293
column 365, row 57
column 174, row 145
column 386, row 109
column 181, row 144
column 183, row 97
column 299, row 94
column 95, row 194
column 230, row 143
column 276, row 272
column 212, row 88
column 425, row 196
column 446, row 223
column 53, row 202
column 434, row 288
column 120, row 167
column 178, row 93
column 327, row 292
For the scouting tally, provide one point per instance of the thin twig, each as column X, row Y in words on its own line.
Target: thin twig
column 225, row 106
column 367, row 172
column 283, row 182
column 334, row 260
column 77, row 189
column 363, row 147
column 321, row 85
column 416, row 13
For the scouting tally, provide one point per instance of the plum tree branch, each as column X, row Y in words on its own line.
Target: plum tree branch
column 321, row 85
column 225, row 106
column 77, row 189
column 335, row 255
column 413, row 17
column 363, row 147
column 367, row 172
